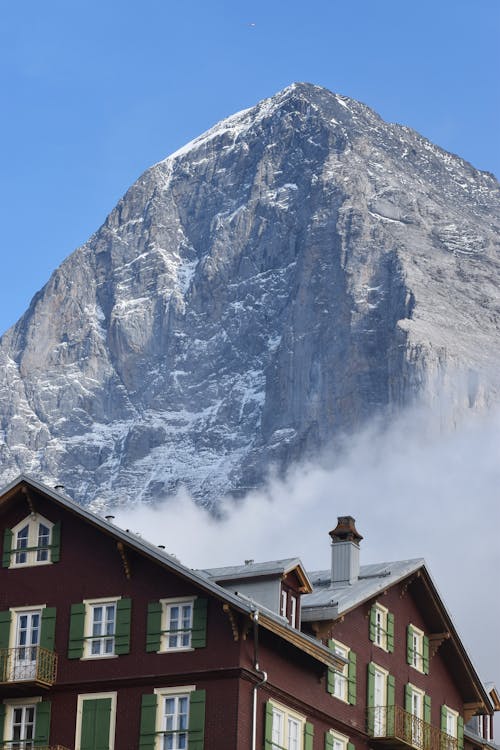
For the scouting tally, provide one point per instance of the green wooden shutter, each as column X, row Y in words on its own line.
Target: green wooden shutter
column 328, row 741
column 370, row 697
column 122, row 631
column 196, row 720
column 390, row 632
column 42, row 723
column 425, row 655
column 391, row 700
column 147, row 737
column 427, row 709
column 7, row 548
column 55, row 555
column 373, row 623
column 2, row 721
column 330, row 677
column 408, row 695
column 153, row 627
column 199, row 633
column 76, row 630
column 351, row 679
column 308, row 736
column 409, row 644
column 268, row 726
column 96, row 723
column 443, row 718
column 460, row 733
column 48, row 629
column 5, row 618
column 350, row 746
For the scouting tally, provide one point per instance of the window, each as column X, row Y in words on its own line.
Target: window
column 173, row 719
column 417, row 649
column 24, row 632
column 100, row 628
column 286, row 730
column 341, row 683
column 380, row 703
column 418, row 708
column 382, row 627
column 337, row 741
column 452, row 727
column 26, row 723
column 288, row 606
column 176, row 624
column 33, row 541
column 102, row 619
column 95, row 721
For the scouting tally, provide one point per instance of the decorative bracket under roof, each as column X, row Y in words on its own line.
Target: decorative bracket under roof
column 29, row 499
column 123, row 554
column 408, row 583
column 471, row 709
column 322, row 629
column 435, row 641
column 233, row 619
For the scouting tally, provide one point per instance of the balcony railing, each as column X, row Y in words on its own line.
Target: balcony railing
column 29, row 745
column 394, row 726
column 28, row 664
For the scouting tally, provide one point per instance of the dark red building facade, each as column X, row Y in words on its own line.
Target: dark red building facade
column 109, row 643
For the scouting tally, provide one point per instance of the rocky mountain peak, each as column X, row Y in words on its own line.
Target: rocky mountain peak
column 294, row 271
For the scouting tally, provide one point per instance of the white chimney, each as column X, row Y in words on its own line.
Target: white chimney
column 345, row 551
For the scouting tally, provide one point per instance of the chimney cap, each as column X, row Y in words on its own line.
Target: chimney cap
column 345, row 530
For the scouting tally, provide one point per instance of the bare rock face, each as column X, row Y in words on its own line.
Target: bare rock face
column 296, row 270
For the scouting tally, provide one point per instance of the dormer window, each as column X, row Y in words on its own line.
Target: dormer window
column 33, row 541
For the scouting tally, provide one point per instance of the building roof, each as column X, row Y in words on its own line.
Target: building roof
column 267, row 619
column 268, row 569
column 329, row 601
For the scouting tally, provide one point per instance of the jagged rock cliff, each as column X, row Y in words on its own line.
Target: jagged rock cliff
column 296, row 270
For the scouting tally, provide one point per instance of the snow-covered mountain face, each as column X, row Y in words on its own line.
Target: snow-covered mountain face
column 296, row 270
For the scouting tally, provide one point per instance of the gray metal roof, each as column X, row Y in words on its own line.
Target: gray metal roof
column 329, row 601
column 253, row 569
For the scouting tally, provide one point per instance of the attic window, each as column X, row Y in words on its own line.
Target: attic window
column 33, row 541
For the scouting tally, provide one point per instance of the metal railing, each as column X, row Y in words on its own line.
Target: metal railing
column 400, row 727
column 28, row 664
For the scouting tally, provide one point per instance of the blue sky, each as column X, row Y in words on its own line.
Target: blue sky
column 95, row 92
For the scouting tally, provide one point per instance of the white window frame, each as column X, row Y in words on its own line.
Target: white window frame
column 340, row 741
column 453, row 715
column 381, row 621
column 380, row 719
column 293, row 610
column 33, row 522
column 169, row 692
column 287, row 715
column 417, row 729
column 166, row 605
column 88, row 637
column 10, row 704
column 79, row 714
column 418, row 649
column 341, row 677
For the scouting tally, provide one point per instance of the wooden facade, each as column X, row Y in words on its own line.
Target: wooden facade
column 107, row 643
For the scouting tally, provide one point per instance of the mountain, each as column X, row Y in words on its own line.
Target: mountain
column 298, row 269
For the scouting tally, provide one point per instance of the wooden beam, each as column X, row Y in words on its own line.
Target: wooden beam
column 29, row 499
column 471, row 709
column 435, row 641
column 233, row 620
column 123, row 554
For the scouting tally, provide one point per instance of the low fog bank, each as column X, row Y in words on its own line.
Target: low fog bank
column 414, row 490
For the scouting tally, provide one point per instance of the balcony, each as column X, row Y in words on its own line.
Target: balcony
column 28, row 664
column 394, row 727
